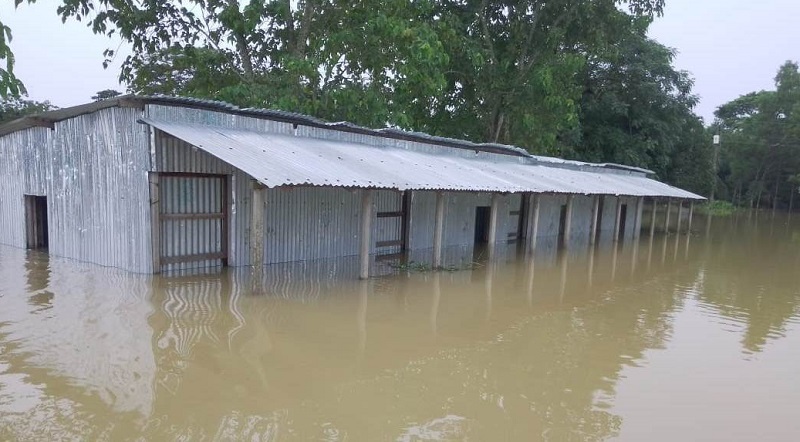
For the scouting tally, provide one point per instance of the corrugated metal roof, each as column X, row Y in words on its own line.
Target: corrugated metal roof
column 48, row 118
column 283, row 160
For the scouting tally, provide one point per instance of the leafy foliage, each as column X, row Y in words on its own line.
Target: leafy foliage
column 637, row 109
column 575, row 78
column 17, row 108
column 10, row 86
column 760, row 159
column 496, row 71
column 105, row 94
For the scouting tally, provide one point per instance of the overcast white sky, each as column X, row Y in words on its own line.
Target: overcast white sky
column 731, row 47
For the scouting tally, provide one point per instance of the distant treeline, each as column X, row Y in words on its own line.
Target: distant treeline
column 760, row 144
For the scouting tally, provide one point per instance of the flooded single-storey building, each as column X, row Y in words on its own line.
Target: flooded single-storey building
column 152, row 184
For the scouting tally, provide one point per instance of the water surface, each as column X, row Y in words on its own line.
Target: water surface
column 682, row 337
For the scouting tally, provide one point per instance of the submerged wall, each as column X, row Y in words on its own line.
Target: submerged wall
column 93, row 171
column 24, row 169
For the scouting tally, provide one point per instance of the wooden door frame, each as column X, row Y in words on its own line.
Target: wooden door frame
column 156, row 219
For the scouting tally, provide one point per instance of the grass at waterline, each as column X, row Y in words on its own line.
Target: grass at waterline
column 414, row 266
column 717, row 208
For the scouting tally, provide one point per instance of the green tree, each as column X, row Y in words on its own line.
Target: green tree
column 761, row 141
column 487, row 71
column 577, row 78
column 105, row 94
column 17, row 108
column 636, row 109
column 513, row 74
column 10, row 85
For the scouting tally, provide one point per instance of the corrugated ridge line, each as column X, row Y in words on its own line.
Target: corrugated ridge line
column 279, row 160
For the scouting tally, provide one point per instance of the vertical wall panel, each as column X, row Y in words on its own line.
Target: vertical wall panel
column 387, row 228
column 609, row 216
column 581, row 220
column 186, row 237
column 550, row 215
column 174, row 155
column 307, row 223
column 97, row 189
column 23, row 170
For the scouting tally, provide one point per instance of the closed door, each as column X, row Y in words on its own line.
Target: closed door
column 193, row 221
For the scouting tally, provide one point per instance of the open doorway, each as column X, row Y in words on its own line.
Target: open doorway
column 36, row 222
column 623, row 215
column 482, row 220
column 599, row 228
column 483, row 216
column 562, row 225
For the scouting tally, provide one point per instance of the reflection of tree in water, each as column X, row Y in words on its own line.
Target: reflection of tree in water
column 754, row 281
column 536, row 380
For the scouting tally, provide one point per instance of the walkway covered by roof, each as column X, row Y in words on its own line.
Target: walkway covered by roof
column 284, row 160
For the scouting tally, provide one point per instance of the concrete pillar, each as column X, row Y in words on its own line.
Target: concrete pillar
column 564, row 264
column 638, row 223
column 653, row 218
column 488, row 285
column 155, row 221
column 680, row 215
column 438, row 230
column 617, row 219
column 593, row 225
column 533, row 221
column 568, row 222
column 666, row 217
column 437, row 296
column 531, row 280
column 691, row 212
column 493, row 222
column 361, row 320
column 258, row 200
column 366, row 232
column 614, row 252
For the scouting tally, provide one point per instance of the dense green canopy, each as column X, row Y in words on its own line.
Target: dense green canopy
column 760, row 148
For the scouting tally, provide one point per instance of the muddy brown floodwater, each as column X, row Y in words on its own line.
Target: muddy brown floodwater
column 678, row 338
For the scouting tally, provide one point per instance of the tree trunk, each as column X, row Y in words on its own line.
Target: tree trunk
column 775, row 195
column 241, row 43
column 305, row 29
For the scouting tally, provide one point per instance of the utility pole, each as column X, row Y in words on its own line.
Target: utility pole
column 715, row 166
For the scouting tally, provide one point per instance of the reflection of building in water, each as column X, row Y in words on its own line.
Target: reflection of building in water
column 83, row 327
column 311, row 346
column 199, row 184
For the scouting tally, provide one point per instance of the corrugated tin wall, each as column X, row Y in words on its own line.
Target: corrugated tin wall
column 607, row 220
column 183, row 200
column 93, row 171
column 550, row 214
column 23, row 170
column 198, row 116
column 174, row 155
column 388, row 229
column 581, row 220
column 99, row 192
column 307, row 223
column 301, row 223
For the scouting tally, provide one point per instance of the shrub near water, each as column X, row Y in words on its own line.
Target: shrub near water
column 717, row 208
